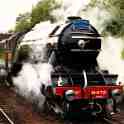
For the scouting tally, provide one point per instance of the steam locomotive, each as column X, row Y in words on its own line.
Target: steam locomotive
column 77, row 82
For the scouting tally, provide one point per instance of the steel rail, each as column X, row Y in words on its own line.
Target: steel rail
column 6, row 116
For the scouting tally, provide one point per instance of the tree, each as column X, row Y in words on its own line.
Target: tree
column 23, row 22
column 23, row 53
column 115, row 25
column 41, row 12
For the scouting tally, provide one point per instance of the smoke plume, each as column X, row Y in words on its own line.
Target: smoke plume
column 110, row 56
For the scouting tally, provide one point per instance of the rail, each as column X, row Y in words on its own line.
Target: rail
column 6, row 116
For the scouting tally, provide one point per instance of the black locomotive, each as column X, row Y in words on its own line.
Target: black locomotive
column 78, row 84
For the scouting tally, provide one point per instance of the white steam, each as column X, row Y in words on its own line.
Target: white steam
column 110, row 57
column 40, row 32
column 35, row 72
column 27, row 80
column 30, row 79
column 97, row 17
column 44, row 71
column 70, row 8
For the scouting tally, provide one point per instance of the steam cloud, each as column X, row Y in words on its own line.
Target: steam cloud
column 110, row 57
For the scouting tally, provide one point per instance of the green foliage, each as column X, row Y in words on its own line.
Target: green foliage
column 41, row 12
column 23, row 53
column 115, row 26
column 2, row 53
column 23, row 22
column 122, row 54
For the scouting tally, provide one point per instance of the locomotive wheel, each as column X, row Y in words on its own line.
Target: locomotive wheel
column 66, row 109
column 48, row 107
column 108, row 111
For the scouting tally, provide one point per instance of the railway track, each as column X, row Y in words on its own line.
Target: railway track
column 116, row 119
column 4, row 118
column 15, row 108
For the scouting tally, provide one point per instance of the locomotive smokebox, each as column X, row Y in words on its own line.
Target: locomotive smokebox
column 79, row 43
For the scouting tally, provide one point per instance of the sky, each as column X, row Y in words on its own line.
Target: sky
column 9, row 10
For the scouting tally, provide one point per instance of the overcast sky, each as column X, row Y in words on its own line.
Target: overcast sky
column 9, row 10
